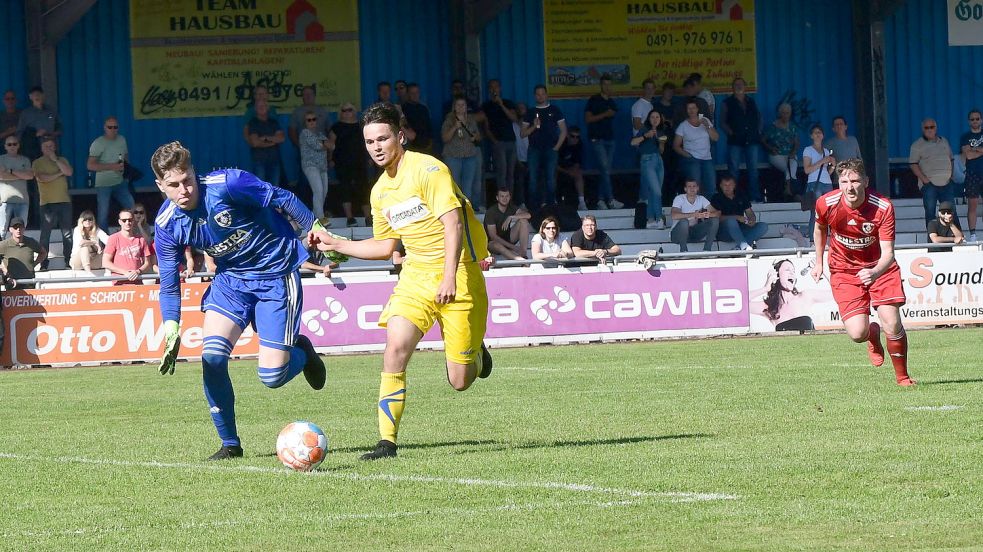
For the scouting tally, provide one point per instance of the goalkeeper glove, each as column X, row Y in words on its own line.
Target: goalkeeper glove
column 172, row 342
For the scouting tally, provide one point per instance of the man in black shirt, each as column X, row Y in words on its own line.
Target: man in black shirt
column 499, row 116
column 508, row 228
column 591, row 243
column 599, row 114
column 738, row 223
column 945, row 228
column 418, row 119
column 570, row 163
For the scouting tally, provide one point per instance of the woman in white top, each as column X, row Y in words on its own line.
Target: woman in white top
column 88, row 242
column 818, row 163
column 693, row 144
column 548, row 243
column 314, row 147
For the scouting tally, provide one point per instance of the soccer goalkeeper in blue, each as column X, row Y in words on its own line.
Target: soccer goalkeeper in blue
column 233, row 216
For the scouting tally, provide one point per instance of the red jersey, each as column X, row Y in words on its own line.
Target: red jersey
column 855, row 235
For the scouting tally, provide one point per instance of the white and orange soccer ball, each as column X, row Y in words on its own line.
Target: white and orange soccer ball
column 301, row 446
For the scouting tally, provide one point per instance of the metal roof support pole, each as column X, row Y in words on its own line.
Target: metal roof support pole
column 48, row 21
column 468, row 18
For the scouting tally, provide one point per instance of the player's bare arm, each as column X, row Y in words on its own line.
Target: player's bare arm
column 868, row 275
column 453, row 230
column 370, row 249
column 819, row 238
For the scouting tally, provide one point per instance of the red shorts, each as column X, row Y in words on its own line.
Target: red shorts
column 854, row 298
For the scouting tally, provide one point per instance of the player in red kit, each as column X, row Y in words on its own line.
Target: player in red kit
column 863, row 272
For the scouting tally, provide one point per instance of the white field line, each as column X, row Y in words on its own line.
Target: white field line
column 330, row 518
column 672, row 496
column 943, row 408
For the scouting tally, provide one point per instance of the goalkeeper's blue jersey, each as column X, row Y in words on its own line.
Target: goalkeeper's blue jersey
column 240, row 221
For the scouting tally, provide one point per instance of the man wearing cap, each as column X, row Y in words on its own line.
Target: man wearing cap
column 930, row 159
column 945, row 228
column 21, row 253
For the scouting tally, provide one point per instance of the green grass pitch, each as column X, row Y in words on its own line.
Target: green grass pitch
column 780, row 443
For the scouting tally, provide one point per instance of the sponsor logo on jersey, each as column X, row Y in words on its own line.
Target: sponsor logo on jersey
column 867, row 227
column 229, row 244
column 406, row 212
column 224, row 219
column 855, row 243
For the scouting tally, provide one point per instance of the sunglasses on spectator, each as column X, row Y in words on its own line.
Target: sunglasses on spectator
column 312, row 120
column 112, row 127
column 88, row 219
column 125, row 220
column 974, row 118
column 9, row 98
column 945, row 211
column 138, row 212
column 928, row 127
column 349, row 109
column 574, row 136
column 549, row 228
column 9, row 144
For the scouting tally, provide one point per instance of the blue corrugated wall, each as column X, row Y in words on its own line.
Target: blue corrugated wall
column 13, row 57
column 928, row 78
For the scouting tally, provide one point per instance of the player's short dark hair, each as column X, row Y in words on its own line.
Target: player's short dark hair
column 170, row 156
column 385, row 113
column 851, row 165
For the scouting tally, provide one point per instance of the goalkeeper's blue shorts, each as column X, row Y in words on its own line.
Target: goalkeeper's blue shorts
column 272, row 306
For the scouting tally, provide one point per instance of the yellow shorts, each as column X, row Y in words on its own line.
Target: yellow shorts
column 462, row 322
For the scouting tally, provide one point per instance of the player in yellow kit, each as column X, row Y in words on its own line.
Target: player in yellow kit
column 416, row 201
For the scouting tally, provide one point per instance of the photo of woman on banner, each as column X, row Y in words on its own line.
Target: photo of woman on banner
column 780, row 305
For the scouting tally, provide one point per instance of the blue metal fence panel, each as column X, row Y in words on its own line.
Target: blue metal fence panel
column 13, row 58
column 804, row 52
column 926, row 77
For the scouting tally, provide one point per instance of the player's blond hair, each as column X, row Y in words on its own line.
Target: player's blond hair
column 851, row 165
column 170, row 156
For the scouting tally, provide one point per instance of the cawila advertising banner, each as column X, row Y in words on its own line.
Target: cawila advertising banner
column 202, row 58
column 630, row 41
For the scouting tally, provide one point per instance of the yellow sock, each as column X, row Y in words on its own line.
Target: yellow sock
column 392, row 394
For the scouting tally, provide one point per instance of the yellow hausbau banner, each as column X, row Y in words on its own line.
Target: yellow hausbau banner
column 201, row 58
column 665, row 40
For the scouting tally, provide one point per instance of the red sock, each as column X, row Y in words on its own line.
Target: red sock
column 897, row 348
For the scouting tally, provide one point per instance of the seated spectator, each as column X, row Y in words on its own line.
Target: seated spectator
column 569, row 164
column 738, row 223
column 127, row 253
column 591, row 243
column 21, row 253
column 694, row 218
column 549, row 244
column 52, row 172
column 140, row 225
column 945, row 228
column 88, row 241
column 508, row 227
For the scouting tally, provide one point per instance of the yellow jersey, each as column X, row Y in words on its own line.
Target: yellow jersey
column 408, row 207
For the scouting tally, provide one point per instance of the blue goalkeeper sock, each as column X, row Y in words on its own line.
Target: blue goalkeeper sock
column 218, row 387
column 276, row 377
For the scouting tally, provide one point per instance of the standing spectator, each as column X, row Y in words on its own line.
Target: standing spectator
column 599, row 114
column 651, row 143
column 140, row 225
column 741, row 122
column 690, row 91
column 107, row 156
column 36, row 121
column 350, row 163
column 298, row 119
column 930, row 159
column 591, row 243
column 458, row 90
column 88, row 243
column 703, row 94
column 694, row 218
column 417, row 115
column 314, row 150
column 383, row 91
column 844, row 147
column 643, row 105
column 781, row 141
column 260, row 94
column 738, row 222
column 971, row 146
column 52, row 172
column 692, row 143
column 570, row 163
column 945, row 228
column 461, row 135
column 10, row 116
column 127, row 253
column 546, row 129
column 549, row 244
column 265, row 137
column 15, row 171
column 521, row 156
column 500, row 115
column 666, row 105
column 508, row 227
column 818, row 163
column 20, row 253
column 401, row 87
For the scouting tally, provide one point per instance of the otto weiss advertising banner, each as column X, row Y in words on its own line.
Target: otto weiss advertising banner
column 122, row 323
column 202, row 58
column 965, row 22
column 941, row 288
column 665, row 40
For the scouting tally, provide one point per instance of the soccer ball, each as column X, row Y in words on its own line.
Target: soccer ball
column 301, row 446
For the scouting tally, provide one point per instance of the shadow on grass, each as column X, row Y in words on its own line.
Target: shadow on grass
column 950, row 382
column 493, row 445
